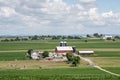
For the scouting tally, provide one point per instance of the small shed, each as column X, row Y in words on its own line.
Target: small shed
column 63, row 50
column 83, row 53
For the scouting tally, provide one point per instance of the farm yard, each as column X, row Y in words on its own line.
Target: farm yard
column 14, row 65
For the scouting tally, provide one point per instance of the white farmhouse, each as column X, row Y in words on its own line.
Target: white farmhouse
column 108, row 37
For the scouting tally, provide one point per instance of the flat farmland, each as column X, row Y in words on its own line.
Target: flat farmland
column 50, row 45
column 21, row 55
column 56, row 74
column 9, row 56
column 106, row 61
column 14, row 65
column 17, row 50
column 46, row 70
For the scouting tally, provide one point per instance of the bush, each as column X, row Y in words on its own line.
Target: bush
column 45, row 54
column 29, row 53
column 86, row 41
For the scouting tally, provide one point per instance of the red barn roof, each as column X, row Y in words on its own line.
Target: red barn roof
column 64, row 49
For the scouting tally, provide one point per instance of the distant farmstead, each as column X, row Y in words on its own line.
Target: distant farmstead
column 64, row 49
column 108, row 37
column 84, row 53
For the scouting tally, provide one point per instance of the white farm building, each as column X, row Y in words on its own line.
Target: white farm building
column 83, row 53
column 108, row 37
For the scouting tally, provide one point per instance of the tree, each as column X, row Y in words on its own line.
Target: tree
column 73, row 59
column 113, row 40
column 77, row 59
column 45, row 54
column 86, row 41
column 29, row 37
column 24, row 39
column 117, row 37
column 69, row 57
column 88, row 35
column 6, row 40
column 74, row 63
column 63, row 37
column 35, row 37
column 109, row 38
column 77, row 37
column 29, row 53
column 101, row 35
column 11, row 39
column 54, row 38
column 96, row 35
column 17, row 39
column 70, row 37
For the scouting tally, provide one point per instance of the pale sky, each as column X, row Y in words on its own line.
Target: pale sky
column 59, row 17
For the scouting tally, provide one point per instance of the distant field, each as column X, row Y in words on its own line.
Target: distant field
column 50, row 45
column 107, row 54
column 106, row 61
column 26, row 46
column 9, row 56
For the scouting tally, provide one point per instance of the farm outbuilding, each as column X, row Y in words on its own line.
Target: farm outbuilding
column 63, row 50
column 36, row 55
column 108, row 37
column 83, row 53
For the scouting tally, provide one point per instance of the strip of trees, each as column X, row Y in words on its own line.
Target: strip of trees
column 36, row 37
column 52, row 37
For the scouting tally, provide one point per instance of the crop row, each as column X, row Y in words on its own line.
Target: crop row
column 58, row 77
column 57, row 74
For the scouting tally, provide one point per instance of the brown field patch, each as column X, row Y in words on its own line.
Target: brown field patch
column 106, row 61
column 34, row 64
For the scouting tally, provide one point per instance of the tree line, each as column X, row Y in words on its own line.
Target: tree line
column 54, row 37
column 36, row 37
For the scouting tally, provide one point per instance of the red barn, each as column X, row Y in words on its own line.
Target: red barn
column 64, row 49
